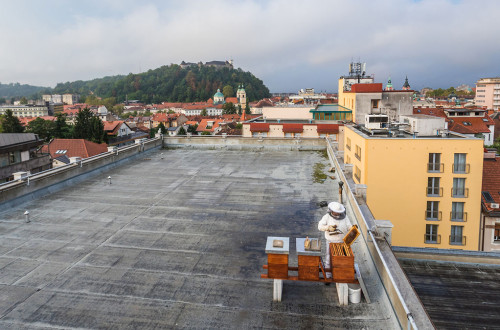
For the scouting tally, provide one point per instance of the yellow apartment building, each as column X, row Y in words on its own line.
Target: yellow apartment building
column 429, row 187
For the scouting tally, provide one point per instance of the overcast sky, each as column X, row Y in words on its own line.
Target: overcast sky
column 289, row 44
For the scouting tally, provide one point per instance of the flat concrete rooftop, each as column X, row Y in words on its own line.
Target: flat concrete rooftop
column 177, row 240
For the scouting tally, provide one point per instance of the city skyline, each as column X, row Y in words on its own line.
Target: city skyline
column 286, row 44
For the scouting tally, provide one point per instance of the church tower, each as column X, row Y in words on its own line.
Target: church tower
column 406, row 86
column 242, row 96
column 389, row 87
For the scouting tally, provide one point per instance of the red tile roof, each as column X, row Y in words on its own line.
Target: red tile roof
column 26, row 120
column 293, row 128
column 436, row 112
column 327, row 128
column 367, row 88
column 112, row 127
column 259, row 127
column 491, row 181
column 233, row 100
column 470, row 125
column 74, row 148
column 202, row 127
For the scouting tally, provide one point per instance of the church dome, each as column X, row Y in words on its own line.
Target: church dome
column 218, row 94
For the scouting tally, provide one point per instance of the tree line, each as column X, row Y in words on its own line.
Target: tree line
column 87, row 126
column 169, row 83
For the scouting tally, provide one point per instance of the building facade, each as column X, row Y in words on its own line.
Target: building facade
column 25, row 110
column 488, row 93
column 429, row 187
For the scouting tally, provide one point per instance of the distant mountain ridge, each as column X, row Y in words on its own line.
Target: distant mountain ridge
column 17, row 90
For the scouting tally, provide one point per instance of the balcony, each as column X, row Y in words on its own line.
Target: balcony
column 433, row 215
column 434, row 192
column 461, row 168
column 435, row 167
column 432, row 239
column 358, row 156
column 458, row 216
column 460, row 192
column 357, row 176
column 348, row 146
column 457, row 240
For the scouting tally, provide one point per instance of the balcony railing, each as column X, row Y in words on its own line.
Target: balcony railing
column 358, row 156
column 433, row 215
column 435, row 167
column 348, row 146
column 434, row 191
column 461, row 168
column 460, row 192
column 458, row 216
column 432, row 239
column 458, row 240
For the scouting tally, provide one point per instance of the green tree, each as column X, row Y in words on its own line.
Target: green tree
column 171, row 111
column 228, row 91
column 161, row 128
column 192, row 128
column 11, row 124
column 228, row 109
column 239, row 109
column 23, row 100
column 89, row 127
column 44, row 128
column 2, row 100
column 61, row 129
column 182, row 131
column 247, row 108
column 206, row 133
column 203, row 112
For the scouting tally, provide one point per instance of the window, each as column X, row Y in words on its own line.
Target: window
column 348, row 143
column 459, row 189
column 358, row 152
column 457, row 211
column 496, row 234
column 459, row 164
column 347, row 159
column 433, row 187
column 432, row 212
column 456, row 236
column 375, row 104
column 357, row 173
column 434, row 164
column 431, row 234
column 14, row 157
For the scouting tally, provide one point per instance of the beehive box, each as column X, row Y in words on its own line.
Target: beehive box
column 342, row 257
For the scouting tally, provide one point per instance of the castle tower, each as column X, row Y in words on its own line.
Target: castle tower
column 406, row 86
column 242, row 96
column 389, row 87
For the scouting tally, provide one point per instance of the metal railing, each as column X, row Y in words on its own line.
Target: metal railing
column 348, row 146
column 358, row 177
column 458, row 216
column 433, row 215
column 358, row 156
column 461, row 168
column 460, row 192
column 432, row 239
column 434, row 191
column 435, row 167
column 458, row 240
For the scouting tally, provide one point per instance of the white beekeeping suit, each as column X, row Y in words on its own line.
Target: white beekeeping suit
column 335, row 224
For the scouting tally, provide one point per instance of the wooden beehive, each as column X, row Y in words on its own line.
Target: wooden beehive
column 342, row 257
column 277, row 266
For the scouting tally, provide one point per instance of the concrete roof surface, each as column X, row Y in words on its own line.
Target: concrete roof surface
column 168, row 245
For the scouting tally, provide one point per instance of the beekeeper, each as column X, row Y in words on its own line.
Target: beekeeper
column 335, row 224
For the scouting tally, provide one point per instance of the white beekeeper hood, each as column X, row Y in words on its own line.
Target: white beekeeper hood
column 336, row 207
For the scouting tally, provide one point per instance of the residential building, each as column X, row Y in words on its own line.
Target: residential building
column 19, row 153
column 425, row 181
column 362, row 96
column 292, row 129
column 119, row 133
column 490, row 203
column 70, row 98
column 488, row 93
column 26, row 110
column 60, row 150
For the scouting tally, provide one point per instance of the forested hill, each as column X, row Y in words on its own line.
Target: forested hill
column 169, row 83
column 18, row 90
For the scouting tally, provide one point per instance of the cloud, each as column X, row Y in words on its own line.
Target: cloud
column 288, row 44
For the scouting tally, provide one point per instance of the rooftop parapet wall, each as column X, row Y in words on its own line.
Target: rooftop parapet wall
column 35, row 185
column 406, row 303
column 243, row 143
